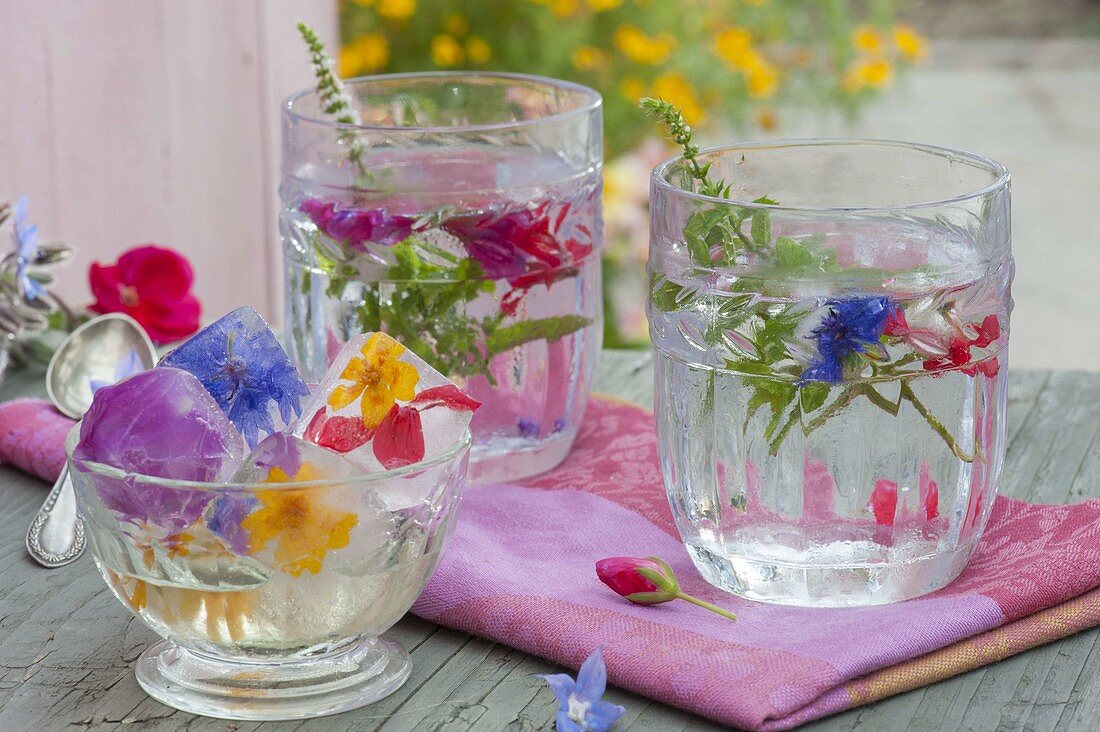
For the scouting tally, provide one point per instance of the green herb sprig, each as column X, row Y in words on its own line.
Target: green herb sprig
column 334, row 95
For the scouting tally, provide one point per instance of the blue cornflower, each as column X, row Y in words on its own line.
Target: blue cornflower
column 527, row 427
column 26, row 249
column 579, row 705
column 850, row 326
column 240, row 362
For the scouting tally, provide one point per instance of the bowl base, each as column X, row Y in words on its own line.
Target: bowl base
column 352, row 677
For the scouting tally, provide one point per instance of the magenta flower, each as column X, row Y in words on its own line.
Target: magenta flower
column 510, row 244
column 355, row 227
column 648, row 581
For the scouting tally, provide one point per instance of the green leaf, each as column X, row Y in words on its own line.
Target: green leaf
column 766, row 201
column 507, row 338
column 761, row 230
column 792, row 255
column 813, row 395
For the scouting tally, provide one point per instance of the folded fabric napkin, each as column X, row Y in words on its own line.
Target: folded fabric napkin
column 32, row 437
column 520, row 571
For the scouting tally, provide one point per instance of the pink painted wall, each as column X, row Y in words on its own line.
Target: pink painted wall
column 131, row 121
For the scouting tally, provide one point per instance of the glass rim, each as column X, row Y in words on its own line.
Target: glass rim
column 592, row 101
column 454, row 450
column 1000, row 173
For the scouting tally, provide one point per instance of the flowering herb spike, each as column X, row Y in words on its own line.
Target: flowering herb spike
column 334, row 96
column 679, row 131
column 580, row 707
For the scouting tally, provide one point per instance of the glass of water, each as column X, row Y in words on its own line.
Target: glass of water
column 461, row 214
column 831, row 338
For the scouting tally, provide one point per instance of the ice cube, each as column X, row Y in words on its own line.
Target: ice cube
column 240, row 362
column 288, row 455
column 160, row 423
column 385, row 407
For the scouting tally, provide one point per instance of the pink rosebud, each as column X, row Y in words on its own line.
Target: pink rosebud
column 642, row 581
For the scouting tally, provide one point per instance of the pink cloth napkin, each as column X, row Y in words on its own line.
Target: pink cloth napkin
column 32, row 437
column 520, row 571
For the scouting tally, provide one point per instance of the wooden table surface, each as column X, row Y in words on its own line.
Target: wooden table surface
column 67, row 646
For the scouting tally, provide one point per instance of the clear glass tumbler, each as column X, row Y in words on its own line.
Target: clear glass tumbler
column 831, row 363
column 271, row 597
column 462, row 215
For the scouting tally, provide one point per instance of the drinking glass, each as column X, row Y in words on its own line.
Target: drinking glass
column 271, row 598
column 831, row 337
column 461, row 215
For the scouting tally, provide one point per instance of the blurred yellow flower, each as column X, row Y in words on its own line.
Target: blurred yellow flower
column 303, row 528
column 396, row 9
column 446, row 51
column 478, row 50
column 767, row 118
column 601, row 5
column 874, row 72
column 589, row 58
column 368, row 53
column 632, row 88
column 641, row 48
column 733, row 46
column 866, row 38
column 910, row 43
column 456, row 24
column 672, row 87
column 761, row 78
column 563, row 8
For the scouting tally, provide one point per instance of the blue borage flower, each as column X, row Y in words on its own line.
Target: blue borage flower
column 852, row 326
column 579, row 706
column 25, row 237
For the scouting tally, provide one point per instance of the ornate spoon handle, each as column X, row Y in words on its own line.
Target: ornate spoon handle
column 56, row 536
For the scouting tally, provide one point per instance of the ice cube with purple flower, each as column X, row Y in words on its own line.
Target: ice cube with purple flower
column 241, row 363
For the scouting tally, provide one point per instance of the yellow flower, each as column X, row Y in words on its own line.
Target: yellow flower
column 446, row 51
column 378, row 379
column 734, row 46
column 478, row 50
column 866, row 38
column 632, row 88
column 761, row 78
column 396, row 9
column 643, row 49
column 303, row 528
column 366, row 54
column 456, row 24
column 563, row 8
column 589, row 58
column 875, row 72
column 767, row 118
column 673, row 87
column 601, row 5
column 910, row 43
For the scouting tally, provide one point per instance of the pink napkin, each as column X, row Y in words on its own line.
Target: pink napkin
column 520, row 571
column 32, row 437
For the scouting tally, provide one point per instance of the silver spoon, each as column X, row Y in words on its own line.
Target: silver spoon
column 91, row 352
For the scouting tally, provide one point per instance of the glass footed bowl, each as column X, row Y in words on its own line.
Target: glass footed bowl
column 271, row 598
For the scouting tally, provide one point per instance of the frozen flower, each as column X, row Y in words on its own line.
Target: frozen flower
column 300, row 525
column 378, row 379
column 850, row 327
column 580, row 705
column 355, row 227
column 399, row 440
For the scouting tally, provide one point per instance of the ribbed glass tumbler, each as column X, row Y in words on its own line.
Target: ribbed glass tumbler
column 831, row 363
column 461, row 214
